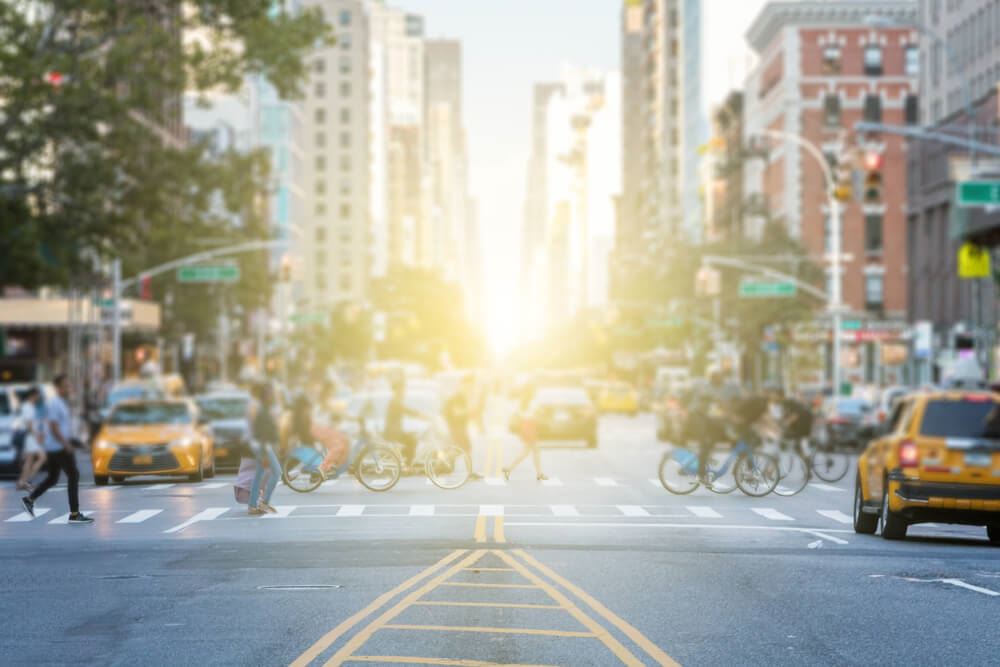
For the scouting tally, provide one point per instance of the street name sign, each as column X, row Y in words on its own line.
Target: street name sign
column 753, row 289
column 208, row 274
column 978, row 193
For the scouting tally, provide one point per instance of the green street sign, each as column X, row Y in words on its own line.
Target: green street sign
column 978, row 193
column 753, row 289
column 851, row 325
column 208, row 274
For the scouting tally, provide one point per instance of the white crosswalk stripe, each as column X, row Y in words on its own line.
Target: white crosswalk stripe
column 825, row 487
column 772, row 514
column 64, row 519
column 605, row 481
column 632, row 510
column 283, row 511
column 703, row 512
column 213, row 485
column 553, row 481
column 24, row 517
column 139, row 517
column 209, row 514
column 160, row 487
column 495, row 481
column 656, row 483
column 421, row 510
column 491, row 510
column 564, row 510
column 351, row 510
column 836, row 515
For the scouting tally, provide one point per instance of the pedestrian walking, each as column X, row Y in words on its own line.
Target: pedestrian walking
column 528, row 431
column 60, row 454
column 31, row 434
column 458, row 412
column 264, row 437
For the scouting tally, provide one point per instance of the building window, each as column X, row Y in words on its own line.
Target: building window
column 345, row 211
column 320, row 115
column 345, row 188
column 912, row 110
column 319, row 66
column 320, row 235
column 873, row 60
column 345, row 282
column 320, row 209
column 873, row 233
column 345, row 115
column 320, row 139
column 320, row 188
column 321, row 281
column 345, row 235
column 321, row 257
column 873, row 109
column 345, row 17
column 345, row 41
column 345, row 88
column 320, row 163
column 831, row 111
column 831, row 60
column 874, row 289
column 320, row 89
column 345, row 139
column 345, row 65
column 912, row 61
column 345, row 162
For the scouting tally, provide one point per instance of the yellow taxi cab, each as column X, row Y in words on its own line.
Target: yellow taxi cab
column 153, row 437
column 618, row 397
column 937, row 460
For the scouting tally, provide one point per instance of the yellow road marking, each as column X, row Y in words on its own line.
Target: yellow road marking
column 480, row 531
column 490, row 569
column 491, row 631
column 329, row 638
column 358, row 640
column 498, row 534
column 627, row 629
column 491, row 605
column 469, row 584
column 606, row 638
column 414, row 660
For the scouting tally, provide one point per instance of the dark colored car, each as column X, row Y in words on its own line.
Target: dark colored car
column 847, row 423
column 565, row 413
column 226, row 413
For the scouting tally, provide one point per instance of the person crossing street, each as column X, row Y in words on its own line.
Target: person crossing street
column 58, row 429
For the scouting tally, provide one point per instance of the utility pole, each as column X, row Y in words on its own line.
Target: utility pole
column 116, row 320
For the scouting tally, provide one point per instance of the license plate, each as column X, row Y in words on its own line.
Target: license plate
column 978, row 459
column 142, row 460
column 221, row 451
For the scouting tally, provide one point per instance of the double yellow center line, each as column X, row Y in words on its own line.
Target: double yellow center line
column 493, row 470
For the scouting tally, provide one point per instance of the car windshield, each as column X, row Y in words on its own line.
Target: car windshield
column 215, row 409
column 961, row 419
column 139, row 414
column 129, row 393
column 562, row 396
column 852, row 407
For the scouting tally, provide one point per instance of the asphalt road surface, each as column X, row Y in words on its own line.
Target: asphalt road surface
column 598, row 566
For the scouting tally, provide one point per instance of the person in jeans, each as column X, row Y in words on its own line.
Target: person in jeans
column 32, row 415
column 264, row 438
column 61, row 457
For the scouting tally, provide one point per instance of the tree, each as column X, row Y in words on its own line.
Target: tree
column 86, row 173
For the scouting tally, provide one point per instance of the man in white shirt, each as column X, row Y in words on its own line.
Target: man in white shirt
column 61, row 457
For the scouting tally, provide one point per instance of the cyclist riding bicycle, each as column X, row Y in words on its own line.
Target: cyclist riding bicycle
column 794, row 418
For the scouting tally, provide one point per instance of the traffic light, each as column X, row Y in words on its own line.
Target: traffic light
column 146, row 288
column 842, row 190
column 873, row 177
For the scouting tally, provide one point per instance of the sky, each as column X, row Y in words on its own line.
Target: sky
column 511, row 44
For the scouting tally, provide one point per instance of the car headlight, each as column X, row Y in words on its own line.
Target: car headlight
column 186, row 441
column 105, row 444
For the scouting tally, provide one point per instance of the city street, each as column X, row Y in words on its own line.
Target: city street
column 597, row 566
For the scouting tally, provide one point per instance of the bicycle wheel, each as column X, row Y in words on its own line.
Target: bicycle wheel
column 449, row 467
column 830, row 466
column 756, row 474
column 378, row 467
column 793, row 473
column 300, row 470
column 675, row 476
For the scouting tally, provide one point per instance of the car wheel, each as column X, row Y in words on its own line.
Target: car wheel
column 865, row 524
column 211, row 470
column 891, row 525
column 199, row 475
column 100, row 480
column 118, row 479
column 993, row 532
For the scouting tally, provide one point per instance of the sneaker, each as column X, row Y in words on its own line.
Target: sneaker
column 80, row 518
column 267, row 508
column 256, row 511
column 29, row 506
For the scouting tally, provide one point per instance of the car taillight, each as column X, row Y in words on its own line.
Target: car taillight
column 909, row 454
column 977, row 398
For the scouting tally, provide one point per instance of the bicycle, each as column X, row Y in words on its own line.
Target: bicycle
column 446, row 465
column 794, row 470
column 373, row 462
column 756, row 474
column 828, row 464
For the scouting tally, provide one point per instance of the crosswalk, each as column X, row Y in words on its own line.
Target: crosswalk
column 729, row 513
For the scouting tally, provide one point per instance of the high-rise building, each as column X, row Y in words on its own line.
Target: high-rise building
column 336, row 241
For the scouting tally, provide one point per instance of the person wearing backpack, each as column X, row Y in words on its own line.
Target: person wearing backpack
column 30, row 436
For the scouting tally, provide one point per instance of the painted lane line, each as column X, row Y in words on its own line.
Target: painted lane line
column 24, row 517
column 771, row 513
column 956, row 582
column 212, row 485
column 491, row 631
column 553, row 481
column 605, row 481
column 657, row 483
column 139, row 517
column 160, row 487
column 499, row 536
column 703, row 512
column 333, row 635
column 351, row 510
column 209, row 514
column 564, row 510
column 491, row 510
column 64, row 519
column 421, row 510
column 632, row 510
column 825, row 487
column 283, row 511
column 823, row 533
column 495, row 481
column 836, row 515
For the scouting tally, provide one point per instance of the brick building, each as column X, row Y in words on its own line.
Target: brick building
column 820, row 71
